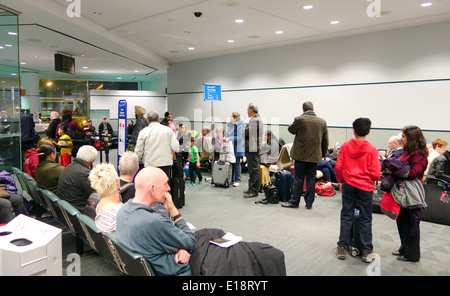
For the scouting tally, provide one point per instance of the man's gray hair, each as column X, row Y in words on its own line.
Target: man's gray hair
column 87, row 153
column 253, row 107
column 128, row 163
column 152, row 116
column 308, row 106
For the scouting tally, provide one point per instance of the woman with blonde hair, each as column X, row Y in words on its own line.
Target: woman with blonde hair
column 105, row 181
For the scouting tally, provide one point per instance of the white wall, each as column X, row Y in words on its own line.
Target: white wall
column 396, row 78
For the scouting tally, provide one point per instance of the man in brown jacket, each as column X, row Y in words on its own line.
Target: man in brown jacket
column 309, row 147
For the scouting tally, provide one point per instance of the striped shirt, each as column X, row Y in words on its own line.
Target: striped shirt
column 106, row 221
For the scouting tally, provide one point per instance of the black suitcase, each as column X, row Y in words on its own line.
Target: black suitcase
column 284, row 181
column 177, row 186
column 355, row 240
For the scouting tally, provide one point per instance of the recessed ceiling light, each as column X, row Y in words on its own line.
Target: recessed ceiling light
column 136, row 71
column 191, row 48
column 426, row 4
column 307, row 7
column 85, row 67
column 239, row 21
column 279, row 32
column 334, row 22
column 230, row 41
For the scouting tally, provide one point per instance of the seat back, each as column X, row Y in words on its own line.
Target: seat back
column 56, row 208
column 96, row 239
column 130, row 262
column 33, row 190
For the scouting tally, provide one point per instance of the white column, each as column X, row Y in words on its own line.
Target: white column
column 30, row 83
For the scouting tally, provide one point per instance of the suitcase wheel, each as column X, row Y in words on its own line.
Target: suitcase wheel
column 354, row 251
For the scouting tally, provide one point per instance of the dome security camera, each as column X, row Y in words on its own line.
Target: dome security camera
column 198, row 14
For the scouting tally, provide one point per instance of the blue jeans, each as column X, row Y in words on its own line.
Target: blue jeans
column 327, row 169
column 351, row 195
column 302, row 170
column 236, row 175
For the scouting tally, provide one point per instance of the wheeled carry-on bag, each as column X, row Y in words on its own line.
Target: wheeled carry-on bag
column 177, row 187
column 284, row 182
column 221, row 173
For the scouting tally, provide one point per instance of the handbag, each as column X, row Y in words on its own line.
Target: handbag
column 227, row 152
column 409, row 193
column 324, row 189
column 389, row 206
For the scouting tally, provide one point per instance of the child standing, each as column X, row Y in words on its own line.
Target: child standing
column 357, row 169
column 194, row 164
column 64, row 140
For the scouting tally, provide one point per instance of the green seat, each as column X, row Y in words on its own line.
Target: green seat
column 75, row 226
column 130, row 262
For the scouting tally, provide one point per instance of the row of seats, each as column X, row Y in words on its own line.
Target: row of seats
column 85, row 230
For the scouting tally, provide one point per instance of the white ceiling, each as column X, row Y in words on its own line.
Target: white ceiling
column 122, row 37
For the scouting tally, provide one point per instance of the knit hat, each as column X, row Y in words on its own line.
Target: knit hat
column 139, row 110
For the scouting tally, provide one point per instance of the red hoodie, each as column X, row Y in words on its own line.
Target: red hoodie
column 358, row 165
column 31, row 162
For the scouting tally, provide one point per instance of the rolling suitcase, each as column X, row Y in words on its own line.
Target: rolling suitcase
column 221, row 173
column 177, row 186
column 284, row 182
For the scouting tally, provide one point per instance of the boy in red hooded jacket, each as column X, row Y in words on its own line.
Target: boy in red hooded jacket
column 357, row 168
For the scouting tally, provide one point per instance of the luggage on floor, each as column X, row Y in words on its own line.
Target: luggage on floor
column 177, row 187
column 271, row 193
column 221, row 173
column 284, row 181
column 186, row 171
column 376, row 200
column 355, row 240
column 324, row 189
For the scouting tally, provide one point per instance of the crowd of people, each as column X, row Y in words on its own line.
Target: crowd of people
column 138, row 206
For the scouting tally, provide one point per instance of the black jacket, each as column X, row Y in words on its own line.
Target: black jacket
column 73, row 184
column 440, row 167
column 241, row 259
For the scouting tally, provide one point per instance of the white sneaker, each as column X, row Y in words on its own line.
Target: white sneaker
column 236, row 184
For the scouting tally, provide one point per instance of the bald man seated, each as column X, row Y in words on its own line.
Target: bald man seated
column 166, row 242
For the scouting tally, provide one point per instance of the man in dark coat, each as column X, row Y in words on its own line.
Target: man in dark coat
column 309, row 147
column 73, row 184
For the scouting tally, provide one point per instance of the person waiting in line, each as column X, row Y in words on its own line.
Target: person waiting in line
column 141, row 122
column 64, row 142
column 270, row 150
column 357, row 169
column 105, row 131
column 73, row 184
column 253, row 134
column 165, row 242
column 70, row 124
column 415, row 153
column 309, row 148
column 234, row 135
column 156, row 143
column 105, row 181
column 48, row 171
column 167, row 121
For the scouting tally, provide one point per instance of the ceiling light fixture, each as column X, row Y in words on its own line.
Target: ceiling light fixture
column 230, row 41
column 239, row 21
column 426, row 4
column 12, row 33
column 334, row 22
column 307, row 7
column 85, row 67
column 279, row 32
column 191, row 48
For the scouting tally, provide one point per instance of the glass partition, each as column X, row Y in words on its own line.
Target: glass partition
column 10, row 131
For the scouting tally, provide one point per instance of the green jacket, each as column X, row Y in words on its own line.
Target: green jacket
column 47, row 175
column 311, row 137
